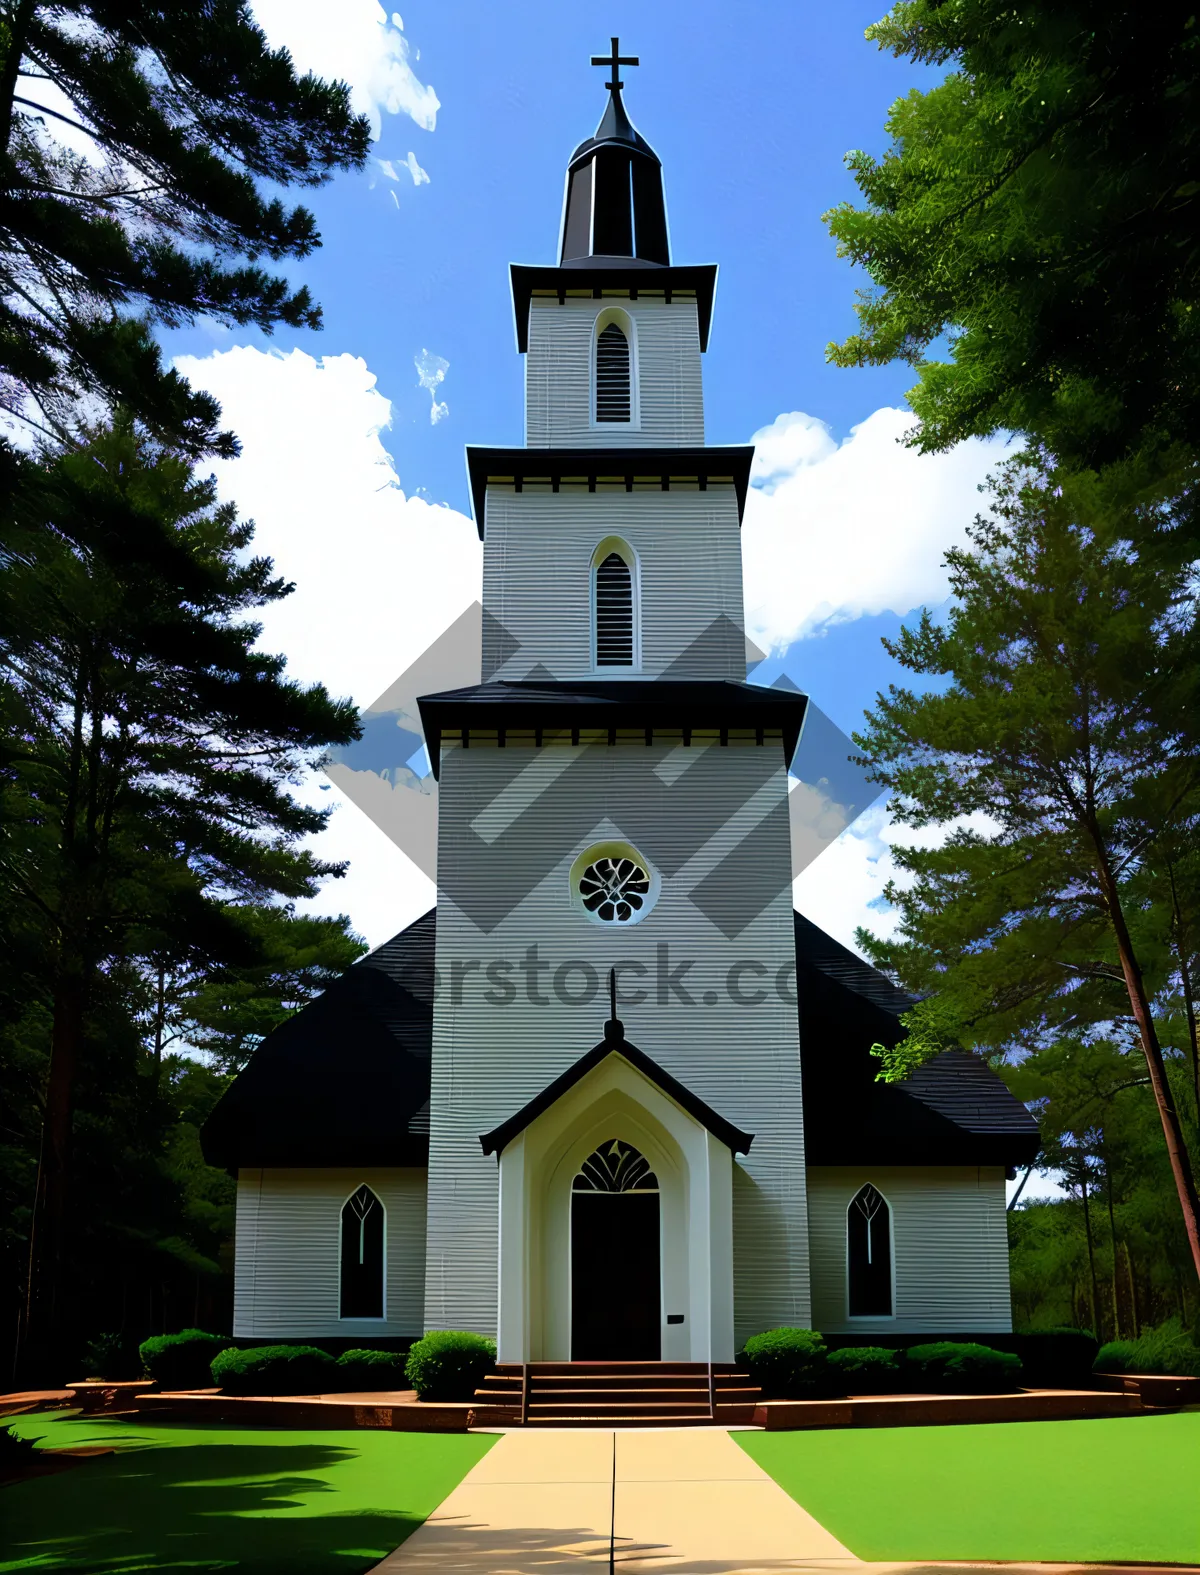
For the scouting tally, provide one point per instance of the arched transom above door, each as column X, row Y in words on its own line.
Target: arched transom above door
column 615, row 1167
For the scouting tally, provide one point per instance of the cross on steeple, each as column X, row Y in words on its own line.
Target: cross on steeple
column 614, row 62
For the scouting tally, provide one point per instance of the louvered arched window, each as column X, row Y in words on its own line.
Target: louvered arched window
column 362, row 1256
column 614, row 395
column 869, row 1254
column 615, row 610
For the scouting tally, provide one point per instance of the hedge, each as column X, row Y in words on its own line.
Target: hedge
column 366, row 1371
column 449, row 1364
column 1167, row 1349
column 865, row 1370
column 183, row 1360
column 1056, row 1358
column 952, row 1368
column 788, row 1364
column 275, row 1370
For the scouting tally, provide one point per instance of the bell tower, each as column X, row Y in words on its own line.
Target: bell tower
column 613, row 803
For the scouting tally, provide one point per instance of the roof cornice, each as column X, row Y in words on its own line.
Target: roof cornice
column 658, row 461
column 598, row 274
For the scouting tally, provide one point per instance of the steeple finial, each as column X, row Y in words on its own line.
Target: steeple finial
column 615, row 61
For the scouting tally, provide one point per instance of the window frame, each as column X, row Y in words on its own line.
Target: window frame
column 625, row 550
column 887, row 1317
column 628, row 326
column 373, row 1318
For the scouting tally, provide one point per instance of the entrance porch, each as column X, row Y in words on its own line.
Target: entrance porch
column 616, row 1218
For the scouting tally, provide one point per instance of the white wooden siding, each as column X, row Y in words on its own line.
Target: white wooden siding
column 950, row 1248
column 537, row 577
column 489, row 1060
column 558, row 374
column 287, row 1253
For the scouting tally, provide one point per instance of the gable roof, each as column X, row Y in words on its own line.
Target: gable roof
column 346, row 1080
column 954, row 1110
column 615, row 1043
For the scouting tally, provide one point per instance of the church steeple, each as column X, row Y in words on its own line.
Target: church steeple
column 615, row 209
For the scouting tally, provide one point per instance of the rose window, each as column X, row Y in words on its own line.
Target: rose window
column 615, row 888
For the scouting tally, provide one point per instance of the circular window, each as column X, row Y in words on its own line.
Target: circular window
column 613, row 884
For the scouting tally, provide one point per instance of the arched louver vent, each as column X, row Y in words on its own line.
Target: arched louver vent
column 612, row 375
column 614, row 613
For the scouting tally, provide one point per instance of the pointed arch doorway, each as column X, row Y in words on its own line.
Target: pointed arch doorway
column 615, row 1258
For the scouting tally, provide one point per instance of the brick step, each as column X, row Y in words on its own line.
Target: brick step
column 585, row 1386
column 627, row 1369
column 577, row 1407
column 591, row 1420
column 616, row 1396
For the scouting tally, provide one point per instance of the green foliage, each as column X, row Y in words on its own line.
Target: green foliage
column 111, row 1355
column 366, row 1370
column 1115, row 1357
column 1056, row 1358
column 949, row 1367
column 1167, row 1349
column 1038, row 205
column 788, row 1364
column 188, row 111
column 183, row 1360
column 449, row 1364
column 865, row 1370
column 275, row 1370
column 1057, row 756
column 156, row 848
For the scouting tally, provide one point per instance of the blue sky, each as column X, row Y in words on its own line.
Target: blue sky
column 751, row 110
column 359, row 493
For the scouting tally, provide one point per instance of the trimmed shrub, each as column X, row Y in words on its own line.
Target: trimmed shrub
column 1115, row 1357
column 370, row 1370
column 449, row 1364
column 275, row 1370
column 1056, row 1358
column 1167, row 1350
column 952, row 1368
column 788, row 1364
column 183, row 1360
column 865, row 1370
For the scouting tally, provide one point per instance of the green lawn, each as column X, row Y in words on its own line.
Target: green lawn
column 1119, row 1488
column 181, row 1498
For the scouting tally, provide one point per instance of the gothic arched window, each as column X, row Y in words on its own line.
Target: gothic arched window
column 614, row 608
column 869, row 1254
column 362, row 1256
column 613, row 381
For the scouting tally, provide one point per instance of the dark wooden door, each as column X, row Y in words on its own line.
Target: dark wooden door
column 615, row 1299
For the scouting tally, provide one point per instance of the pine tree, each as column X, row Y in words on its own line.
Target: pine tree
column 1058, row 751
column 184, row 111
column 1039, row 206
column 151, row 747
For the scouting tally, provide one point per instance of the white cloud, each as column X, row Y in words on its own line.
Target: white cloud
column 355, row 43
column 379, row 575
column 419, row 176
column 431, row 373
column 836, row 531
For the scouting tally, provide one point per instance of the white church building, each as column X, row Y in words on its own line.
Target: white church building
column 467, row 1131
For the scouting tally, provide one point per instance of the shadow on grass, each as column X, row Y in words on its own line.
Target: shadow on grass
column 243, row 1507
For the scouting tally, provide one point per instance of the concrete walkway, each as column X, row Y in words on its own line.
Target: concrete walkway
column 678, row 1499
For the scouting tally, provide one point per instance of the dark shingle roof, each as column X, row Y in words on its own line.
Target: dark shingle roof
column 954, row 1110
column 346, row 1080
